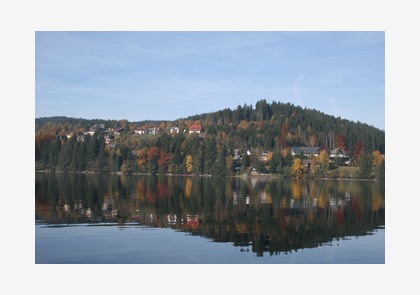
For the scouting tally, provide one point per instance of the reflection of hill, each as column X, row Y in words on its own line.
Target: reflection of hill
column 272, row 216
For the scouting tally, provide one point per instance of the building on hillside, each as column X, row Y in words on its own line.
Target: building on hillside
column 154, row 130
column 304, row 151
column 339, row 155
column 141, row 131
column 264, row 156
column 174, row 129
column 236, row 154
column 195, row 129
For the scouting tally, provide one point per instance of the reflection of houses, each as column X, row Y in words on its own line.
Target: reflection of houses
column 236, row 196
column 195, row 129
column 304, row 151
column 265, row 198
column 171, row 219
column 192, row 221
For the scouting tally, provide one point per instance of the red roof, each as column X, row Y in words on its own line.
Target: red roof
column 195, row 128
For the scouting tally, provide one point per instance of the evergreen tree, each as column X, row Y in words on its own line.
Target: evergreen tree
column 55, row 148
column 210, row 155
column 381, row 174
column 220, row 167
column 365, row 164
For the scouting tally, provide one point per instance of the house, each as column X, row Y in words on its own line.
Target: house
column 94, row 128
column 304, row 151
column 195, row 129
column 154, row 130
column 338, row 153
column 264, row 156
column 237, row 155
column 174, row 129
column 100, row 127
column 118, row 130
column 140, row 131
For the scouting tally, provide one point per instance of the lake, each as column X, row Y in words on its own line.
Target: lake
column 143, row 219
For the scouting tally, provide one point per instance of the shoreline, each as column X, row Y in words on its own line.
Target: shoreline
column 272, row 176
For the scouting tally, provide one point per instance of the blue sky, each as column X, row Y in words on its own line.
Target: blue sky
column 170, row 75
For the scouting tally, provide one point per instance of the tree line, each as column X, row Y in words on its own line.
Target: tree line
column 232, row 142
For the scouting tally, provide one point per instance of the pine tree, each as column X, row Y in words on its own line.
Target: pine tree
column 365, row 164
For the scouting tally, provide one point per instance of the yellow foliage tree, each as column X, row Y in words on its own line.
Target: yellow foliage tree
column 314, row 166
column 296, row 169
column 284, row 153
column 324, row 160
column 376, row 158
column 269, row 156
column 189, row 164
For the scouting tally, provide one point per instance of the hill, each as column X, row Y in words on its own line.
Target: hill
column 267, row 128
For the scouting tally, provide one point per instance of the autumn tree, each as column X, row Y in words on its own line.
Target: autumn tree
column 340, row 141
column 324, row 160
column 314, row 167
column 296, row 170
column 189, row 164
column 142, row 159
column 376, row 158
column 163, row 161
column 358, row 147
column 153, row 154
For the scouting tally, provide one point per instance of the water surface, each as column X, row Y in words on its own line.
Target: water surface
column 126, row 219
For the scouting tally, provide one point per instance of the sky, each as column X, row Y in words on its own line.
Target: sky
column 168, row 75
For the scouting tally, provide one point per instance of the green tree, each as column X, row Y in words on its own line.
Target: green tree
column 221, row 162
column 381, row 172
column 365, row 164
column 54, row 152
column 210, row 155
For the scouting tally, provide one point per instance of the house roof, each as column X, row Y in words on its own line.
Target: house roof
column 305, row 149
column 195, row 128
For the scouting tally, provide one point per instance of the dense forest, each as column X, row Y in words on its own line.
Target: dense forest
column 248, row 139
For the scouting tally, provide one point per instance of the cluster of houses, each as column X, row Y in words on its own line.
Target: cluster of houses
column 334, row 155
column 109, row 134
column 304, row 151
column 173, row 130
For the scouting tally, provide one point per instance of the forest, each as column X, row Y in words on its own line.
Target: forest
column 247, row 140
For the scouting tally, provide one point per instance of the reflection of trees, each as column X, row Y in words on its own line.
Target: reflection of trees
column 267, row 216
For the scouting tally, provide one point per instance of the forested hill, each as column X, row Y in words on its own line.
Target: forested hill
column 293, row 125
column 263, row 128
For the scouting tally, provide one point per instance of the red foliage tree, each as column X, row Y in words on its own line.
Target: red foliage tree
column 358, row 147
column 340, row 141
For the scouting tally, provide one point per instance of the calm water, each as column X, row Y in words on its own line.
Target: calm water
column 119, row 219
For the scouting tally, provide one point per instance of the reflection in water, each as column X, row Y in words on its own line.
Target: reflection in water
column 264, row 215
